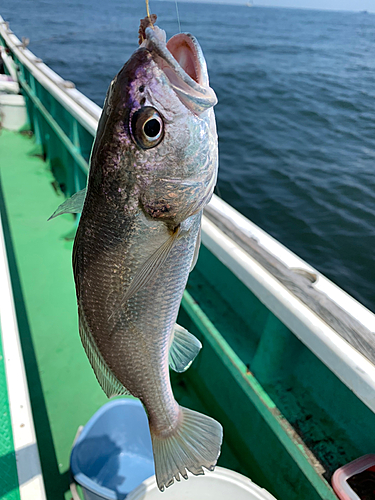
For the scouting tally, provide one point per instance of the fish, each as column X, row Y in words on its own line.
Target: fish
column 153, row 169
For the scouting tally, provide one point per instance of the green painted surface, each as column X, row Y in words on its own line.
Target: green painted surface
column 261, row 439
column 63, row 390
column 58, row 135
column 312, row 407
column 8, row 467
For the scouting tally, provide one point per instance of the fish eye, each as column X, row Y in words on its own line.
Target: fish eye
column 152, row 129
column 147, row 127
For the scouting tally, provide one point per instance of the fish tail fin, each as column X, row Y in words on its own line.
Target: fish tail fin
column 194, row 444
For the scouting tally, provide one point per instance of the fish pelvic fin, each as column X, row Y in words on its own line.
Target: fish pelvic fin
column 194, row 444
column 183, row 350
column 107, row 380
column 73, row 205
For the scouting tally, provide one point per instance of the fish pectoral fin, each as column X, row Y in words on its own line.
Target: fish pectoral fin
column 72, row 205
column 183, row 350
column 197, row 247
column 107, row 380
column 151, row 267
column 194, row 444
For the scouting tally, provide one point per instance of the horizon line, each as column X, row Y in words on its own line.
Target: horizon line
column 243, row 3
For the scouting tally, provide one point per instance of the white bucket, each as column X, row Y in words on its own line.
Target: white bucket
column 222, row 484
column 12, row 111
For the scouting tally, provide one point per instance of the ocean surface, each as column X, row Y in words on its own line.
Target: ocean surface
column 296, row 112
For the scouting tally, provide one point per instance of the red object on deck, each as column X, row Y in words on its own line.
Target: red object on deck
column 356, row 480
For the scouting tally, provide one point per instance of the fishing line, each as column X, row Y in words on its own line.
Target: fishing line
column 148, row 14
column 178, row 16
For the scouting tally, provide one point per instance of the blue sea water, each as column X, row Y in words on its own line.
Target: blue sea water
column 296, row 112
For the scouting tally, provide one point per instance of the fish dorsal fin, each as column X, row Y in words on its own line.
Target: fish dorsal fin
column 151, row 267
column 73, row 205
column 107, row 380
column 197, row 247
column 183, row 350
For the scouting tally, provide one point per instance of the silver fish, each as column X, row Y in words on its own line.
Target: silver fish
column 153, row 169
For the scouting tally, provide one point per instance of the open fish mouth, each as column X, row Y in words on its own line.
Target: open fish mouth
column 182, row 61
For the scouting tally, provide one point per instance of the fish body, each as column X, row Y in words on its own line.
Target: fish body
column 153, row 169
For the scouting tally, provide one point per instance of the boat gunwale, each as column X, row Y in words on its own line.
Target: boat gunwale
column 348, row 364
column 355, row 324
column 253, row 233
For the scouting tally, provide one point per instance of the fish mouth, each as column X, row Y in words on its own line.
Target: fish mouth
column 182, row 61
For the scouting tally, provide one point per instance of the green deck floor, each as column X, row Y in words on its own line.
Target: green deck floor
column 63, row 390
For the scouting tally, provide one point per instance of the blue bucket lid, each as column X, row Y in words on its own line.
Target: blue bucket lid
column 113, row 454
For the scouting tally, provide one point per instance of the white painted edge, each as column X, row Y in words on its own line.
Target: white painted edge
column 31, row 484
column 351, row 367
column 78, row 105
column 292, row 261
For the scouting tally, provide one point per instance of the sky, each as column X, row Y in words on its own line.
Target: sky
column 358, row 5
column 353, row 5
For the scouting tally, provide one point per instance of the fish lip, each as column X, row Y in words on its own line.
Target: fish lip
column 193, row 87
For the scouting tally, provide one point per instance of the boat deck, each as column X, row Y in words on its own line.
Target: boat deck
column 39, row 257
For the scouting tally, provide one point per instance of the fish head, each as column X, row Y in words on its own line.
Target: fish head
column 157, row 138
